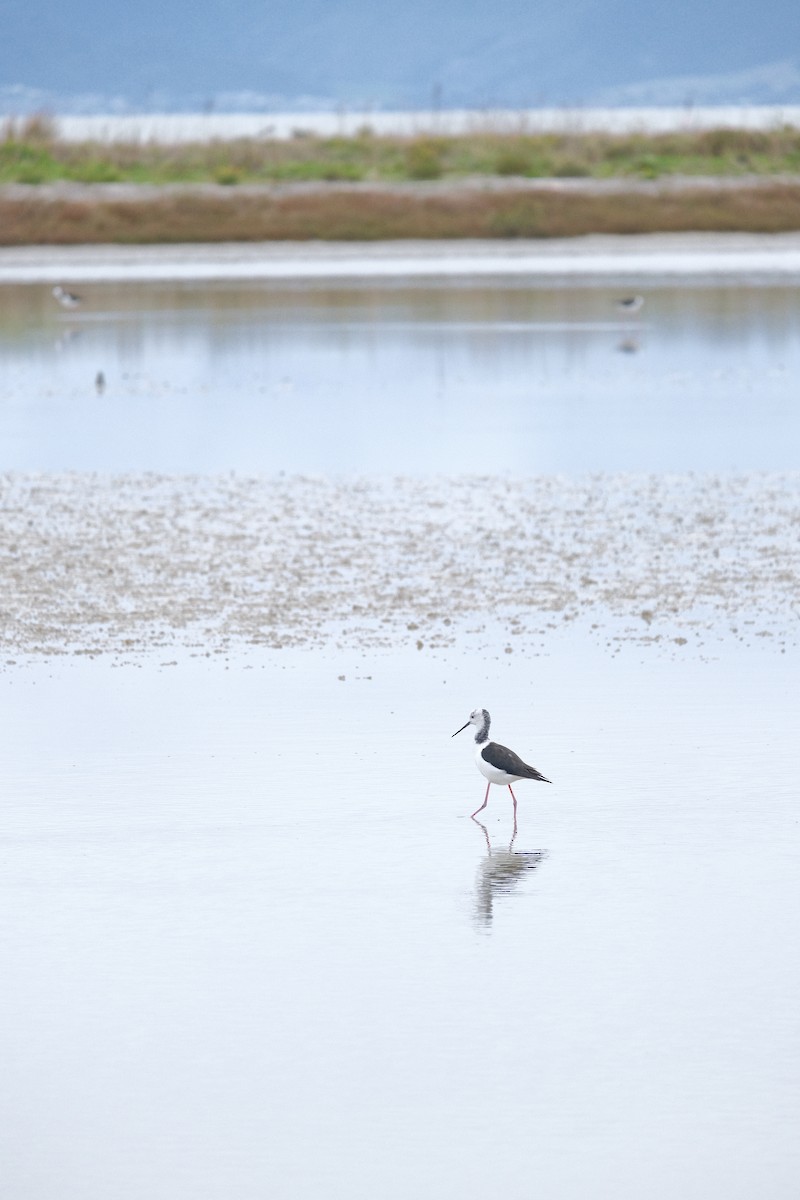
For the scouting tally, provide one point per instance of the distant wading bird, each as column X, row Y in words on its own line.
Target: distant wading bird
column 497, row 763
column 630, row 304
column 66, row 299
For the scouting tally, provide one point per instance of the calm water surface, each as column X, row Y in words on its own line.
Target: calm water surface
column 250, row 943
column 399, row 378
column 253, row 945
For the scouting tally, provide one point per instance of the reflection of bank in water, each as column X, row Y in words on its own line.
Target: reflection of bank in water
column 499, row 873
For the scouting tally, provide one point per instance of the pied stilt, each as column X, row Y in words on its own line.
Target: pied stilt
column 497, row 763
column 630, row 304
column 66, row 299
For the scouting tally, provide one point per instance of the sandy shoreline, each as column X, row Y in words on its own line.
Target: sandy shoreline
column 731, row 257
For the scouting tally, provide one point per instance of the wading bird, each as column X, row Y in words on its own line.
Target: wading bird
column 66, row 299
column 630, row 304
column 497, row 763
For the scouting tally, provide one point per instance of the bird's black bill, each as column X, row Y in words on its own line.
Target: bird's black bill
column 461, row 730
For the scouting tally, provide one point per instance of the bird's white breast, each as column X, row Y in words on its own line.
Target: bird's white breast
column 493, row 774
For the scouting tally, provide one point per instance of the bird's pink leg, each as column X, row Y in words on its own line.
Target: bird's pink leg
column 485, row 802
column 514, row 798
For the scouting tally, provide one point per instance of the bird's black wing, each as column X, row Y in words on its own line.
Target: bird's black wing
column 506, row 760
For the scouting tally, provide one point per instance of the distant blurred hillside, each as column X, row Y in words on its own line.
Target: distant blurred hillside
column 257, row 55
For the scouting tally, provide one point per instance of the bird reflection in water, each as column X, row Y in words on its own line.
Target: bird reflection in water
column 630, row 306
column 64, row 339
column 500, row 872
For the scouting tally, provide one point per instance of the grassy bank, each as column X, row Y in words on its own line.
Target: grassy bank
column 54, row 216
column 368, row 187
column 30, row 152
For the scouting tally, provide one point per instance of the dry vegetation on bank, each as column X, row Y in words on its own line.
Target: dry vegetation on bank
column 338, row 214
column 369, row 187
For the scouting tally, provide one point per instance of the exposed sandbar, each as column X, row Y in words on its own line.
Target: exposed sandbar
column 598, row 258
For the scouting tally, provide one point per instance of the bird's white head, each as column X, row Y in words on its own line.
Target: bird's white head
column 479, row 717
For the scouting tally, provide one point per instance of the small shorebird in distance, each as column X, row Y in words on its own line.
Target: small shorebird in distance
column 630, row 304
column 497, row 763
column 66, row 299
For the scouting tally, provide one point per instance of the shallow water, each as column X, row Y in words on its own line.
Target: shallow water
column 252, row 943
column 394, row 378
column 493, row 566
